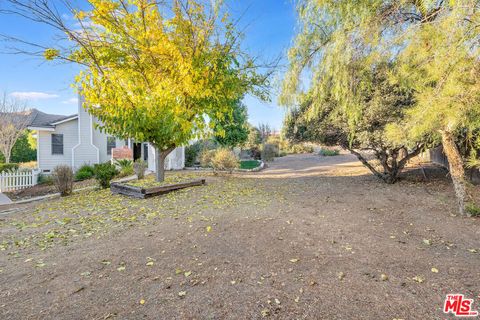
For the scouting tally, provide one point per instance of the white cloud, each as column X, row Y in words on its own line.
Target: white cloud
column 33, row 95
column 70, row 101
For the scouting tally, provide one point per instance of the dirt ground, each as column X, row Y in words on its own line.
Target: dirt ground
column 45, row 189
column 309, row 238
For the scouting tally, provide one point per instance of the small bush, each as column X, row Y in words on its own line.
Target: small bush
column 7, row 167
column 85, row 172
column 45, row 179
column 328, row 152
column 126, row 171
column 104, row 173
column 269, row 152
column 191, row 153
column 206, row 158
column 63, row 179
column 255, row 153
column 28, row 165
column 139, row 167
column 300, row 148
column 124, row 163
column 224, row 160
column 125, row 167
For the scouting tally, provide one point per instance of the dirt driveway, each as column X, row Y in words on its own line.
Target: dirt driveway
column 309, row 238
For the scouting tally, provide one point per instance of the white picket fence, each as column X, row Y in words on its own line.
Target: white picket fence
column 16, row 180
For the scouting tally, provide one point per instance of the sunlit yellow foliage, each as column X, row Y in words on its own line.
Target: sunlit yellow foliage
column 157, row 71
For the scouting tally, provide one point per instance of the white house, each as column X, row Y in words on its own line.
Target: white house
column 74, row 141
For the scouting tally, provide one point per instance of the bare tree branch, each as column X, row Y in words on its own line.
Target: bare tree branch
column 14, row 119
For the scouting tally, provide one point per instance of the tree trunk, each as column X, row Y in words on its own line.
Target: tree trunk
column 390, row 171
column 7, row 156
column 160, row 156
column 457, row 171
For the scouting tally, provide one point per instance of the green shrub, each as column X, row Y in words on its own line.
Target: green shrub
column 126, row 171
column 139, row 168
column 300, row 148
column 22, row 150
column 63, row 179
column 206, row 158
column 194, row 151
column 45, row 179
column 191, row 153
column 104, row 173
column 125, row 167
column 8, row 167
column 224, row 160
column 329, row 152
column 472, row 209
column 85, row 172
column 124, row 163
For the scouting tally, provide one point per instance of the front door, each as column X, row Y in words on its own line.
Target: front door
column 145, row 151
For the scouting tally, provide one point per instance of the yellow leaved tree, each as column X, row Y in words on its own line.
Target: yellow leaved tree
column 156, row 71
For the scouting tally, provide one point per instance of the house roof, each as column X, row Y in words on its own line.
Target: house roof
column 39, row 119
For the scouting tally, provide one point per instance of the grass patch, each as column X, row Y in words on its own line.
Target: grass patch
column 249, row 164
column 472, row 209
column 328, row 152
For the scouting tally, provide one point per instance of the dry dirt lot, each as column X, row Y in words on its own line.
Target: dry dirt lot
column 308, row 238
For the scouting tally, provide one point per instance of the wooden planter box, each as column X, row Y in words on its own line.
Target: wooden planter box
column 142, row 193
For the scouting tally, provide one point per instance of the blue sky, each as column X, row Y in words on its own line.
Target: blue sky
column 269, row 29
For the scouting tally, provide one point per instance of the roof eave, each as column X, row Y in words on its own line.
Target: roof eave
column 64, row 120
column 39, row 128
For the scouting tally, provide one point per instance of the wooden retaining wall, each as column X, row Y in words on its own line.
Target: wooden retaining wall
column 143, row 193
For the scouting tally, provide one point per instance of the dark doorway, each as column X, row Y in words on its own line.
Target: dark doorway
column 137, row 151
column 145, row 152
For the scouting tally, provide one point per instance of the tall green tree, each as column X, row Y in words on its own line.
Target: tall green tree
column 232, row 131
column 441, row 62
column 254, row 138
column 23, row 151
column 153, row 70
column 380, row 103
column 433, row 45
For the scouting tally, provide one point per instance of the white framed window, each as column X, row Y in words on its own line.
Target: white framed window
column 57, row 143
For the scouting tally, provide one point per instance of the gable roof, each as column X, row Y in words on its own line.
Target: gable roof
column 39, row 119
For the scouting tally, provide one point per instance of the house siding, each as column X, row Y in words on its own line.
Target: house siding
column 174, row 161
column 47, row 160
column 83, row 144
column 100, row 141
column 85, row 152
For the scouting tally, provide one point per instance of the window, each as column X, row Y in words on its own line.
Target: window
column 57, row 143
column 111, row 143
